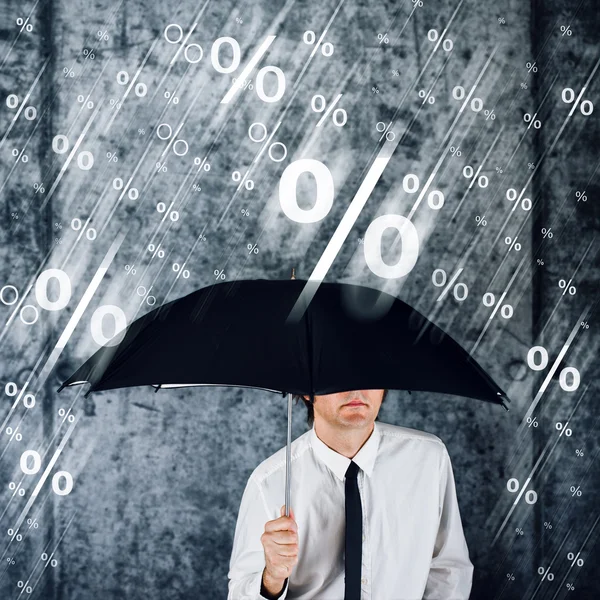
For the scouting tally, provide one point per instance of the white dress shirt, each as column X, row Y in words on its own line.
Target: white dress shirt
column 413, row 542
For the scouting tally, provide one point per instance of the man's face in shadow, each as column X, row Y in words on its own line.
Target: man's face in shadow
column 334, row 411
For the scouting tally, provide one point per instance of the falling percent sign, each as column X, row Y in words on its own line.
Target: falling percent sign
column 14, row 434
column 140, row 90
column 433, row 36
column 132, row 193
column 41, row 295
column 532, row 422
column 512, row 243
column 575, row 559
column 480, row 220
column 90, row 233
column 383, row 38
column 545, row 573
column 513, row 485
column 177, row 268
column 568, row 97
column 563, row 429
column 260, row 138
column 458, row 93
column 563, row 285
column 85, row 159
column 537, row 124
column 12, row 101
column 460, row 297
column 575, row 491
column 318, row 104
column 89, row 104
column 178, row 144
column 426, row 97
column 566, row 30
column 385, row 131
column 156, row 250
column 513, row 196
column 252, row 249
column 24, row 24
column 61, row 477
column 469, row 173
column 435, row 199
column 145, row 295
column 531, row 66
column 161, row 207
column 219, row 274
column 489, row 300
column 540, row 364
column 309, row 38
column 247, row 183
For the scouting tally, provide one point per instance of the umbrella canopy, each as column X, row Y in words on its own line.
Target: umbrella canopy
column 239, row 334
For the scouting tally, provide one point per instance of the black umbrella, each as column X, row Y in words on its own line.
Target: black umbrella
column 289, row 337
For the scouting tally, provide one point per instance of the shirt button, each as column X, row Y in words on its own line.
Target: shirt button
column 364, row 580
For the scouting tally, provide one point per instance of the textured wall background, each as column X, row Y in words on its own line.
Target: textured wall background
column 157, row 478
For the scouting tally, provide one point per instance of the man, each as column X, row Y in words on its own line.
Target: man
column 413, row 546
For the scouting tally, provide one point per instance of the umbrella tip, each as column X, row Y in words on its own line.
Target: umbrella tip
column 293, row 273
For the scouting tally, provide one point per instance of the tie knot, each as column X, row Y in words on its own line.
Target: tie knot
column 352, row 471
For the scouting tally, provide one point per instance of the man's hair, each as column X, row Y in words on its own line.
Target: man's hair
column 310, row 417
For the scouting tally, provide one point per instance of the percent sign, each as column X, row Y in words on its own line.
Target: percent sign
column 339, row 117
column 545, row 573
column 460, row 297
column 458, row 93
column 248, row 183
column 253, row 249
column 489, row 300
column 145, row 295
column 435, row 199
column 178, row 144
column 85, row 159
column 575, row 491
column 161, row 207
column 433, row 36
column 427, row 97
column 469, row 173
column 181, row 271
column 566, row 30
column 531, row 67
column 563, row 429
column 480, row 220
column 542, row 363
column 532, row 121
column 563, row 285
column 385, row 131
column 512, row 195
column 309, row 38
column 513, row 485
column 272, row 146
column 90, row 233
column 24, row 24
column 575, row 559
column 12, row 101
column 58, row 477
column 512, row 243
column 586, row 107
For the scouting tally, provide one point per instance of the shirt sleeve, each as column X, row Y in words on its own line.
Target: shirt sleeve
column 451, row 571
column 248, row 556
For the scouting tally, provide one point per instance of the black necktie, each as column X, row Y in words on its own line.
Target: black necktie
column 353, row 543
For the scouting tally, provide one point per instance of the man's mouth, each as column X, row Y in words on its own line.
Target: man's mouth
column 355, row 403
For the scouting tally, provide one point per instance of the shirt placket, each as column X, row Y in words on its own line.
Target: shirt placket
column 365, row 581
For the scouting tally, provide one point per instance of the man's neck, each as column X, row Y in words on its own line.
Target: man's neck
column 346, row 442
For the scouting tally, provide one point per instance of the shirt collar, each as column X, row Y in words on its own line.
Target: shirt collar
column 338, row 463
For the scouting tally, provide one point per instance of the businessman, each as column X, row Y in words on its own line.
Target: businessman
column 375, row 514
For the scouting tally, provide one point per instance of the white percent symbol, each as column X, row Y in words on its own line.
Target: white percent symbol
column 119, row 323
column 460, row 291
column 435, row 199
column 56, row 479
column 181, row 145
column 513, row 485
column 85, row 159
column 537, row 359
column 288, row 200
column 318, row 104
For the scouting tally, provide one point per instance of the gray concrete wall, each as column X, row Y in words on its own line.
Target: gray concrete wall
column 158, row 478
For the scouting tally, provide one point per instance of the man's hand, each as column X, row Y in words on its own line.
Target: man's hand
column 280, row 542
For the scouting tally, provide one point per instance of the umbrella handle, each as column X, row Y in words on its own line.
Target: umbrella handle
column 288, row 462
